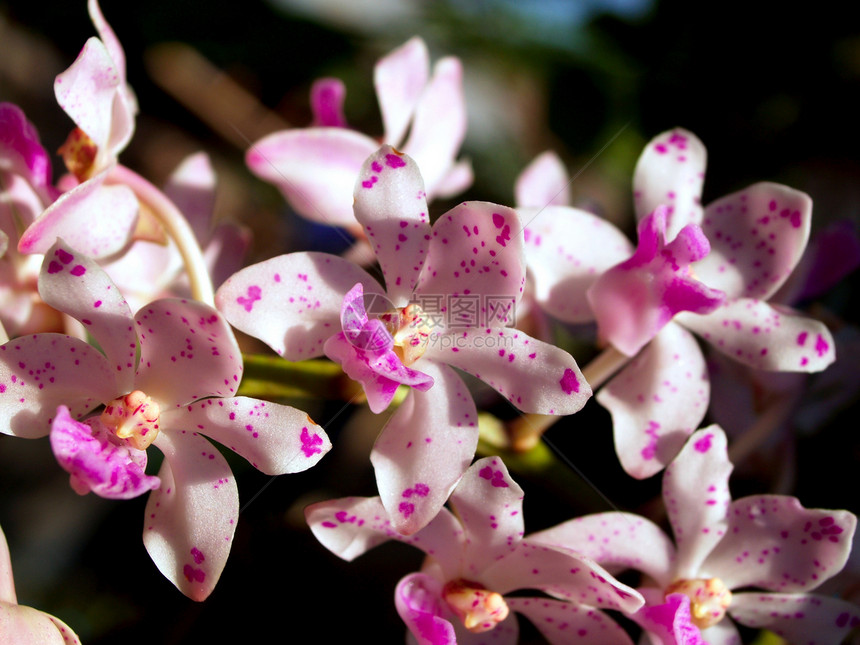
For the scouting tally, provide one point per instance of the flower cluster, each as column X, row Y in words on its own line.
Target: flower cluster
column 120, row 303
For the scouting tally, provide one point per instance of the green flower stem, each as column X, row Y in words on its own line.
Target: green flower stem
column 272, row 377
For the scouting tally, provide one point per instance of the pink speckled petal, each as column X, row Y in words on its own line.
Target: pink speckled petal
column 634, row 300
column 439, row 125
column 327, row 96
column 97, row 461
column 798, row 618
column 400, row 78
column 314, row 168
column 276, row 439
column 380, row 373
column 567, row 249
column 757, row 238
column 76, row 285
column 533, row 375
column 476, row 249
column 544, row 182
column 190, row 520
column 562, row 573
column 489, row 504
column 21, row 624
column 350, row 526
column 40, row 372
column 774, row 542
column 569, row 622
column 616, row 540
column 696, row 494
column 669, row 621
column 670, row 173
column 87, row 91
column 187, row 352
column 391, row 206
column 93, row 218
column 657, row 401
column 21, row 152
column 425, row 448
column 764, row 336
column 292, row 302
column 418, row 598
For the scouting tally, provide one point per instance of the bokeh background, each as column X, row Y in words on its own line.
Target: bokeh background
column 773, row 93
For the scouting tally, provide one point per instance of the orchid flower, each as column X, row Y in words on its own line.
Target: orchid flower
column 25, row 191
column 476, row 553
column 20, row 624
column 646, row 302
column 304, row 305
column 769, row 542
column 167, row 376
column 315, row 168
column 95, row 216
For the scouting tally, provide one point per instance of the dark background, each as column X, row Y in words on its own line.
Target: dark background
column 772, row 93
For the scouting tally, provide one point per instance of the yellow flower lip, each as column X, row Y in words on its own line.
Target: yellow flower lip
column 133, row 417
column 410, row 330
column 480, row 609
column 709, row 599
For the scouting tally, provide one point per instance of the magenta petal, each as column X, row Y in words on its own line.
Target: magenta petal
column 765, row 337
column 543, row 183
column 76, row 285
column 418, row 598
column 314, row 168
column 425, row 448
column 93, row 218
column 566, row 250
column 533, row 375
column 696, row 494
column 774, row 542
column 670, row 621
column 187, row 352
column 563, row 622
column 757, row 237
column 798, row 618
column 657, row 401
column 670, row 173
column 40, row 372
column 399, row 78
column 97, row 460
column 20, row 149
column 292, row 302
column 275, row 439
column 390, row 204
column 634, row 300
column 327, row 95
column 615, row 540
column 489, row 505
column 190, row 520
column 476, row 250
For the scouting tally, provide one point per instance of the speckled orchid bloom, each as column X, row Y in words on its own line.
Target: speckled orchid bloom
column 477, row 554
column 315, row 168
column 25, row 191
column 20, row 624
column 769, row 542
column 306, row 304
column 166, row 376
column 96, row 215
column 744, row 245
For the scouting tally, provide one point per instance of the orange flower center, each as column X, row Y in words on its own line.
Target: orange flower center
column 709, row 599
column 410, row 329
column 480, row 609
column 133, row 417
